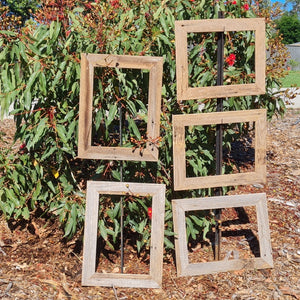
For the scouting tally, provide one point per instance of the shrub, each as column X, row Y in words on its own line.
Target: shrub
column 40, row 70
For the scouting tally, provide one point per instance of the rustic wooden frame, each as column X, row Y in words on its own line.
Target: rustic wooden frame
column 89, row 275
column 182, row 28
column 181, row 182
column 88, row 63
column 180, row 206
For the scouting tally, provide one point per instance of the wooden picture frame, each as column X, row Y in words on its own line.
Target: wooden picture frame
column 88, row 63
column 181, row 182
column 180, row 206
column 89, row 275
column 182, row 28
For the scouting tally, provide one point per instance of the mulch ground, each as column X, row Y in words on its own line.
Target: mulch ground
column 37, row 263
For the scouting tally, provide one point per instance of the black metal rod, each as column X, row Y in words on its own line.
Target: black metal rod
column 219, row 138
column 121, row 198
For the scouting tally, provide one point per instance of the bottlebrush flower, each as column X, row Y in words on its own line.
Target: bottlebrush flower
column 88, row 5
column 231, row 59
column 115, row 3
column 23, row 149
column 150, row 212
column 246, row 6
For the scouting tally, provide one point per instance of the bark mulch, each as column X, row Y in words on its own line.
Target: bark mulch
column 37, row 263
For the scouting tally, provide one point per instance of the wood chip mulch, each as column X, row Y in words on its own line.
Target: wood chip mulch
column 37, row 263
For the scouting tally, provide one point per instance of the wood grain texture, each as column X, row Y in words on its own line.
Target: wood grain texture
column 182, row 28
column 180, row 206
column 88, row 63
column 89, row 275
column 181, row 182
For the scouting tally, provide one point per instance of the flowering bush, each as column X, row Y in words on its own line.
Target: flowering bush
column 230, row 59
column 40, row 70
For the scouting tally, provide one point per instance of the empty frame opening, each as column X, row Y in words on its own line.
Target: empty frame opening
column 238, row 57
column 238, row 155
column 245, row 235
column 197, row 63
column 116, row 88
column 239, row 235
column 120, row 107
column 137, row 217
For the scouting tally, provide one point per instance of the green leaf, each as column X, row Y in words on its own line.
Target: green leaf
column 164, row 25
column 158, row 12
column 34, row 49
column 54, row 30
column 197, row 220
column 27, row 100
column 116, row 210
column 48, row 153
column 208, row 154
column 165, row 39
column 51, row 186
column 69, row 228
column 32, row 79
column 249, row 52
column 61, row 133
column 43, row 83
column 103, row 230
column 168, row 243
column 38, row 133
column 37, row 190
column 116, row 174
column 56, row 79
column 138, row 246
column 25, row 213
column 133, row 128
column 12, row 197
column 111, row 115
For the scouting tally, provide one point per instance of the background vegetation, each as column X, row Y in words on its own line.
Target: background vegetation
column 40, row 71
column 289, row 27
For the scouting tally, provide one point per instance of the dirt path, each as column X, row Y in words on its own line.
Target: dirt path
column 36, row 263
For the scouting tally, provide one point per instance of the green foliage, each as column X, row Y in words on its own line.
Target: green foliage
column 40, row 71
column 289, row 27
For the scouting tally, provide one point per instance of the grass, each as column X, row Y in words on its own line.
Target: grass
column 292, row 79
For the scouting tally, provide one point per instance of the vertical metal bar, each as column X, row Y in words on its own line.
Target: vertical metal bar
column 219, row 138
column 121, row 198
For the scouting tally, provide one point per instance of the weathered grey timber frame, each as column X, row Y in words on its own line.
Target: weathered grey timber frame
column 88, row 63
column 181, row 182
column 89, row 275
column 182, row 28
column 180, row 206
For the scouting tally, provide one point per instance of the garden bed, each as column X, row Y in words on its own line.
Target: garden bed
column 37, row 263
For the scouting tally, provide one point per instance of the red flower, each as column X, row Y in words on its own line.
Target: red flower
column 234, row 2
column 22, row 148
column 231, row 59
column 150, row 212
column 246, row 6
column 88, row 5
column 115, row 3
